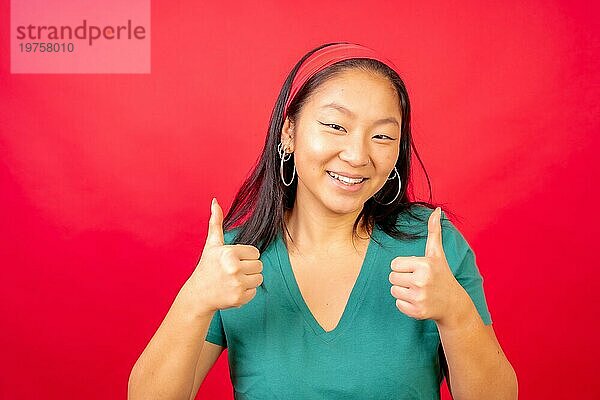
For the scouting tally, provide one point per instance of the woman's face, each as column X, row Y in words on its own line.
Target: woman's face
column 350, row 126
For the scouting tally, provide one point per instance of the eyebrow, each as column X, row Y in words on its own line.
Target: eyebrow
column 344, row 110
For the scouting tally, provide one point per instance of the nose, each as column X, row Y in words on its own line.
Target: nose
column 355, row 151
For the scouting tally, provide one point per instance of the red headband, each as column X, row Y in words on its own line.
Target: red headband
column 327, row 56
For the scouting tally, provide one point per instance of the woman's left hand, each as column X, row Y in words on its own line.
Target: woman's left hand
column 424, row 287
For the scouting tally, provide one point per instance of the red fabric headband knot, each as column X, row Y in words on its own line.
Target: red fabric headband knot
column 327, row 56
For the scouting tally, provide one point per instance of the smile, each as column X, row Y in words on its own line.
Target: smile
column 345, row 180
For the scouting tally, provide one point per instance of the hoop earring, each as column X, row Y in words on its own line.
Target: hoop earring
column 399, row 186
column 285, row 157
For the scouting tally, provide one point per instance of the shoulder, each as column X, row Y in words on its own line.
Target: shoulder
column 229, row 236
column 415, row 221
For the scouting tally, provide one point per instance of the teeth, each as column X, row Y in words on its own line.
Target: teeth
column 345, row 179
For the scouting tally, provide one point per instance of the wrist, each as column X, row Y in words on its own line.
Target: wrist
column 462, row 313
column 192, row 301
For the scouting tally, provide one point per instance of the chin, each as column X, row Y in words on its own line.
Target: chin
column 342, row 207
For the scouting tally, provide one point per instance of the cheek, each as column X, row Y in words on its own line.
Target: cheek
column 388, row 158
column 313, row 152
column 385, row 160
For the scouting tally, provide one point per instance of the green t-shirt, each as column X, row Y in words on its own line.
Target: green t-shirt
column 277, row 349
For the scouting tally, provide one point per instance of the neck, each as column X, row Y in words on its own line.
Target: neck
column 323, row 233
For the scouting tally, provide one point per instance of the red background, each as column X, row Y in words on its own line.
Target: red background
column 106, row 180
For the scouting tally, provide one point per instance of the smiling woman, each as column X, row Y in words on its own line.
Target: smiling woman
column 329, row 280
column 351, row 117
column 347, row 131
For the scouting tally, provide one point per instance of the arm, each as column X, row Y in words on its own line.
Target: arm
column 209, row 355
column 167, row 366
column 473, row 357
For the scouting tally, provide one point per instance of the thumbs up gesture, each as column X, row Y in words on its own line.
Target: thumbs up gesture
column 424, row 287
column 226, row 275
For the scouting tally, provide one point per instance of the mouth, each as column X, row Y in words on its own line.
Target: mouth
column 346, row 180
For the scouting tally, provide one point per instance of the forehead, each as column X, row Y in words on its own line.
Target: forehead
column 368, row 94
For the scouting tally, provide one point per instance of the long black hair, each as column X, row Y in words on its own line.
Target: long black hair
column 259, row 206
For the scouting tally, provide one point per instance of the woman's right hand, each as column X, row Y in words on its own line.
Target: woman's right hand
column 226, row 275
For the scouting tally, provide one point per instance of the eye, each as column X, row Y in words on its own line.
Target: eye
column 385, row 136
column 332, row 126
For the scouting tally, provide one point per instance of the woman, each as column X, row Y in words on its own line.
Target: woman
column 329, row 282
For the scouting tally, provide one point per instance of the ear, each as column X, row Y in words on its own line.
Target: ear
column 287, row 134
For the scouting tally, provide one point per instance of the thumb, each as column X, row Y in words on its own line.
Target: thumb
column 433, row 246
column 215, row 225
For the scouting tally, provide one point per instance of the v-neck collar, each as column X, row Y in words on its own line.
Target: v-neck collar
column 353, row 303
